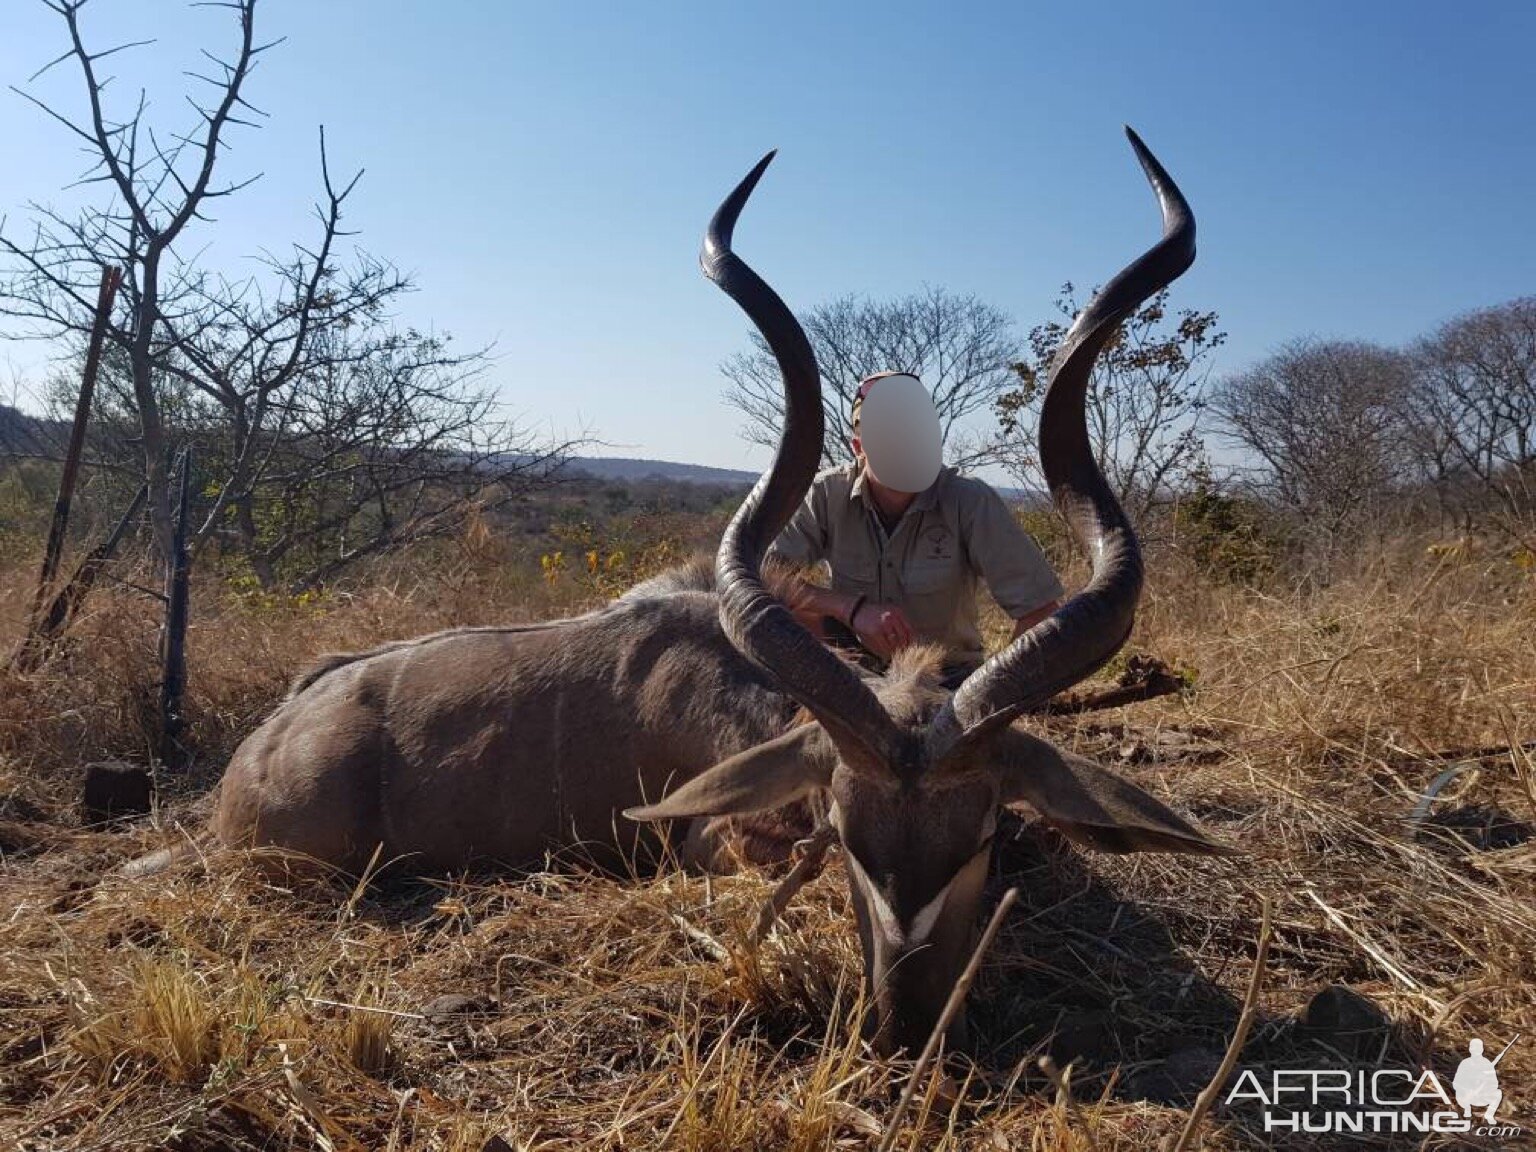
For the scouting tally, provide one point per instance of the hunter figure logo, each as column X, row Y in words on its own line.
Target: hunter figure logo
column 938, row 544
column 1477, row 1081
column 1376, row 1100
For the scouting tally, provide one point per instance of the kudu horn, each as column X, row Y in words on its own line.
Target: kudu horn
column 759, row 626
column 1088, row 629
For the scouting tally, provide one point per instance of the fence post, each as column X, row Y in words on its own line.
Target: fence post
column 173, row 680
column 26, row 654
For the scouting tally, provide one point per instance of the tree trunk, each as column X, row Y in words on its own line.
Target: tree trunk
column 152, row 431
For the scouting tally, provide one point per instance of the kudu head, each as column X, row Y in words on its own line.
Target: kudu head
column 915, row 775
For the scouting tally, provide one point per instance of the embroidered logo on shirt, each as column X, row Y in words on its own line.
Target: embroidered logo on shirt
column 937, row 544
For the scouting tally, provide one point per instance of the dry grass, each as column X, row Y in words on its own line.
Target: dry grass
column 208, row 1008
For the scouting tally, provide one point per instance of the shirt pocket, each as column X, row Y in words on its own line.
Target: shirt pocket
column 931, row 577
column 932, row 591
column 855, row 573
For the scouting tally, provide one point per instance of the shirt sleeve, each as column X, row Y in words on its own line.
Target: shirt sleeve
column 804, row 539
column 1017, row 573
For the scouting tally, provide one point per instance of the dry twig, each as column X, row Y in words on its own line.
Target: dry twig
column 1239, row 1036
column 951, row 1006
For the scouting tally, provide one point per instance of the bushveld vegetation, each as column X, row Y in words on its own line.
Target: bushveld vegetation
column 208, row 1008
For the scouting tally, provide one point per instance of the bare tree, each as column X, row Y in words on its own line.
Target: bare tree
column 961, row 347
column 1472, row 414
column 158, row 184
column 1323, row 419
column 1146, row 401
column 315, row 417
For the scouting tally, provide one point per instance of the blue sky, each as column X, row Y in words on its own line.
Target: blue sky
column 545, row 171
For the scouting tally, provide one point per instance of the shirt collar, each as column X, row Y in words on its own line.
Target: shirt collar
column 927, row 499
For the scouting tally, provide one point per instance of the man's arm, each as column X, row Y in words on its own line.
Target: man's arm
column 882, row 628
column 811, row 604
column 1017, row 573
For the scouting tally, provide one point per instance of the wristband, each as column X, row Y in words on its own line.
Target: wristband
column 858, row 603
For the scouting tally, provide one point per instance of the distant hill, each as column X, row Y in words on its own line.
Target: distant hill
column 627, row 468
column 20, row 432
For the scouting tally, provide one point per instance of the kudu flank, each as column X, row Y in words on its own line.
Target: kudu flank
column 504, row 743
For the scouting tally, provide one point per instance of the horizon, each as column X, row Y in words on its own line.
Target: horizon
column 1359, row 174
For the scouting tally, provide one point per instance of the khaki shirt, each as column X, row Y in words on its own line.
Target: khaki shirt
column 954, row 532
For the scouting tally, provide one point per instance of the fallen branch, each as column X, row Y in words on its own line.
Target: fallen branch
column 1207, row 1097
column 811, row 853
column 951, row 1006
column 1145, row 678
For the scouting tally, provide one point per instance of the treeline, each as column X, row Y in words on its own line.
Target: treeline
column 1287, row 467
column 1348, row 439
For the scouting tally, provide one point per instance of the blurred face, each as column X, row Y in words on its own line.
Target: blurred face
column 897, row 434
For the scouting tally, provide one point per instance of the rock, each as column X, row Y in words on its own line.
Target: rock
column 1178, row 1079
column 115, row 789
column 1347, row 1021
column 454, row 1006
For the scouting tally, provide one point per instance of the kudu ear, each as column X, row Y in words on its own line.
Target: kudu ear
column 1090, row 805
column 762, row 778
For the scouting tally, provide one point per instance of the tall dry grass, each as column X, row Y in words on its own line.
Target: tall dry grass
column 208, row 1008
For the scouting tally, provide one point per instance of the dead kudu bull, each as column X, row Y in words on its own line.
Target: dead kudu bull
column 501, row 743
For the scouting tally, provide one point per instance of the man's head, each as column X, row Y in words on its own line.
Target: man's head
column 896, row 431
column 1475, row 1047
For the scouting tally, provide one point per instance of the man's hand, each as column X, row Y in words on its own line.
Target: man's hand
column 1027, row 621
column 882, row 628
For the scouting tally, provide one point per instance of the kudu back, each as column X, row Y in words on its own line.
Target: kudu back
column 680, row 701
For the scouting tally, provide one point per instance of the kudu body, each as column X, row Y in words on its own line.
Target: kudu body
column 504, row 743
column 499, row 744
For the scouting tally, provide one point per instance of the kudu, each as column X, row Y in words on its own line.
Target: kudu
column 502, row 743
column 914, row 775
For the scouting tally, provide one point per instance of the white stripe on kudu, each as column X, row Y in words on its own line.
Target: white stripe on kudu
column 885, row 916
